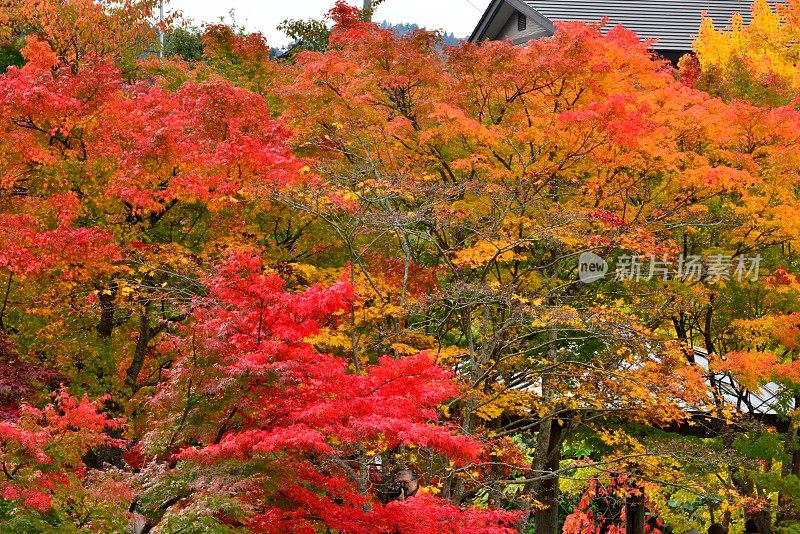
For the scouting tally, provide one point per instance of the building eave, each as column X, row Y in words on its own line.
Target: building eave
column 480, row 32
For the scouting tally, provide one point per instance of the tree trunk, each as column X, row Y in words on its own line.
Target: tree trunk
column 105, row 326
column 790, row 467
column 763, row 521
column 546, row 457
column 467, row 421
column 548, row 492
column 132, row 374
column 5, row 302
column 634, row 513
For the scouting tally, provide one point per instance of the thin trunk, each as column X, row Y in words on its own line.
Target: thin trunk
column 467, row 421
column 719, row 399
column 354, row 333
column 548, row 492
column 790, row 442
column 132, row 374
column 498, row 468
column 763, row 521
column 5, row 301
column 791, row 466
column 680, row 328
column 707, row 337
column 682, row 334
column 635, row 513
column 105, row 326
column 406, row 267
column 363, row 472
column 542, row 487
column 367, row 9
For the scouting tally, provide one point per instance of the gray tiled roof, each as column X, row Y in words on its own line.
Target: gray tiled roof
column 770, row 398
column 674, row 23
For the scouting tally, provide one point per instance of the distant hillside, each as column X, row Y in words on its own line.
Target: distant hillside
column 448, row 39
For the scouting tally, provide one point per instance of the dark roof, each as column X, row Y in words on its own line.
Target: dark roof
column 674, row 23
column 498, row 12
column 766, row 401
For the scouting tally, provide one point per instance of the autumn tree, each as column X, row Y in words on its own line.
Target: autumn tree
column 47, row 483
column 494, row 167
column 159, row 180
column 750, row 326
column 302, row 447
column 119, row 196
column 755, row 61
column 314, row 34
column 297, row 277
column 79, row 30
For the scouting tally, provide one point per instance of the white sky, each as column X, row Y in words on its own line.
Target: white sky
column 457, row 16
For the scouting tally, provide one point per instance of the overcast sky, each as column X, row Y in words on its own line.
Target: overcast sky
column 456, row 16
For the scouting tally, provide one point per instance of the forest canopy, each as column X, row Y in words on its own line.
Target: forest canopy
column 384, row 282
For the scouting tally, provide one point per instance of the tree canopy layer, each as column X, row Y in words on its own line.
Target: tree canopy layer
column 380, row 284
